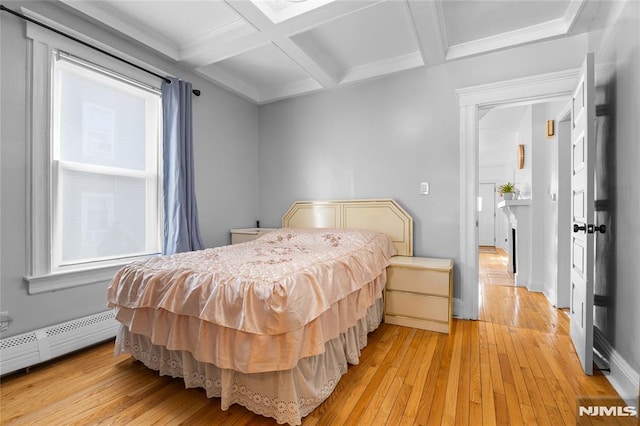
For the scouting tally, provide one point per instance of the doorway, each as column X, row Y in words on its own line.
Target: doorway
column 515, row 148
column 546, row 87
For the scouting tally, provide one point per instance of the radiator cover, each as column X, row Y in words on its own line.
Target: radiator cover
column 25, row 350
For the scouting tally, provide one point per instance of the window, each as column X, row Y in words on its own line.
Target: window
column 104, row 166
column 95, row 183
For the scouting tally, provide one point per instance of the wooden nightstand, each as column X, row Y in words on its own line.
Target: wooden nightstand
column 242, row 235
column 419, row 293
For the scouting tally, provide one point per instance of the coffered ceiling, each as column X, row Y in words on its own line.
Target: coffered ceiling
column 266, row 50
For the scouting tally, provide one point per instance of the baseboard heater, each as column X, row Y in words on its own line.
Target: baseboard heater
column 28, row 349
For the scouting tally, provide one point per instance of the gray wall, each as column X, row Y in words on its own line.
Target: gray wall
column 383, row 137
column 226, row 148
column 618, row 174
column 544, row 210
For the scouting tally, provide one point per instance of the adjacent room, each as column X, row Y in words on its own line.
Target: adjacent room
column 319, row 212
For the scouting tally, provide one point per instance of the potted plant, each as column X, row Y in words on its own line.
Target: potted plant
column 507, row 190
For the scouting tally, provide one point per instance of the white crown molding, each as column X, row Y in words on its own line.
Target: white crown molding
column 98, row 11
column 222, row 78
column 492, row 93
column 297, row 88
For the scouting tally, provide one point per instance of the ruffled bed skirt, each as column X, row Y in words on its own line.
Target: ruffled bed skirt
column 287, row 396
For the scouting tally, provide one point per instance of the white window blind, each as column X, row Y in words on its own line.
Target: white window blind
column 105, row 174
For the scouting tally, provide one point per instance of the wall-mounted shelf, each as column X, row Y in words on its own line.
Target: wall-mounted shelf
column 508, row 203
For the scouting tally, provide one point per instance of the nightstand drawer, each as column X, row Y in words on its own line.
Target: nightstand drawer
column 417, row 306
column 418, row 281
column 418, row 293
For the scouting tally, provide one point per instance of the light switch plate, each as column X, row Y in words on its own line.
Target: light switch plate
column 424, row 188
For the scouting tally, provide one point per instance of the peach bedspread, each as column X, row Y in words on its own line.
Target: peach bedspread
column 257, row 306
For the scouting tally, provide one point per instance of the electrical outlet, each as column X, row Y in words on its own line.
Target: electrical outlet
column 424, row 188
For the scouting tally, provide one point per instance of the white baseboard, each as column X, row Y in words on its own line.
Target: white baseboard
column 550, row 294
column 458, row 308
column 624, row 379
column 25, row 350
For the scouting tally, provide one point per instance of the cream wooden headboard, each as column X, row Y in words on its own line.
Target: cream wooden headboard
column 383, row 215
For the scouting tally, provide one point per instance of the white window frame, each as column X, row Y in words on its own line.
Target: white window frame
column 43, row 274
column 149, row 174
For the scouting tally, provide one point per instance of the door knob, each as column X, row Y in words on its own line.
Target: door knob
column 577, row 227
column 594, row 228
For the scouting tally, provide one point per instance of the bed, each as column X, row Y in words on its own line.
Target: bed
column 269, row 324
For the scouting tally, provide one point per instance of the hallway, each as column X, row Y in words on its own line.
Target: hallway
column 532, row 363
column 501, row 302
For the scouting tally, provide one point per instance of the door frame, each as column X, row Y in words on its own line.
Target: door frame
column 561, row 298
column 533, row 89
column 495, row 207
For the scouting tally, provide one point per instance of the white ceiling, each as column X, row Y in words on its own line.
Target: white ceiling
column 266, row 50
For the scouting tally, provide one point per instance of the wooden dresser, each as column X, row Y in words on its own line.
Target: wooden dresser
column 419, row 293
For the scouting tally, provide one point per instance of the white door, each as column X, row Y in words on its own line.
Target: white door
column 487, row 214
column 583, row 119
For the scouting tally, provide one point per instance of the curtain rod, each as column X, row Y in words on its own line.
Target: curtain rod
column 84, row 43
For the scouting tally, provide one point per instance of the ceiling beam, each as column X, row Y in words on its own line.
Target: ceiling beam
column 317, row 66
column 573, row 12
column 212, row 50
column 428, row 28
column 534, row 33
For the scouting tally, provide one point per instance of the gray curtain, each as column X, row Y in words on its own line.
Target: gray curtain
column 181, row 229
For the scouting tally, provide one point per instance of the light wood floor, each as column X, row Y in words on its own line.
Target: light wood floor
column 515, row 365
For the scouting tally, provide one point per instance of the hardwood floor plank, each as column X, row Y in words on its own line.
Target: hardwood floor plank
column 475, row 379
column 513, row 405
column 487, row 384
column 438, row 402
column 413, row 403
column 502, row 412
column 428, row 391
column 464, row 381
column 516, row 370
column 453, row 387
column 541, row 416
